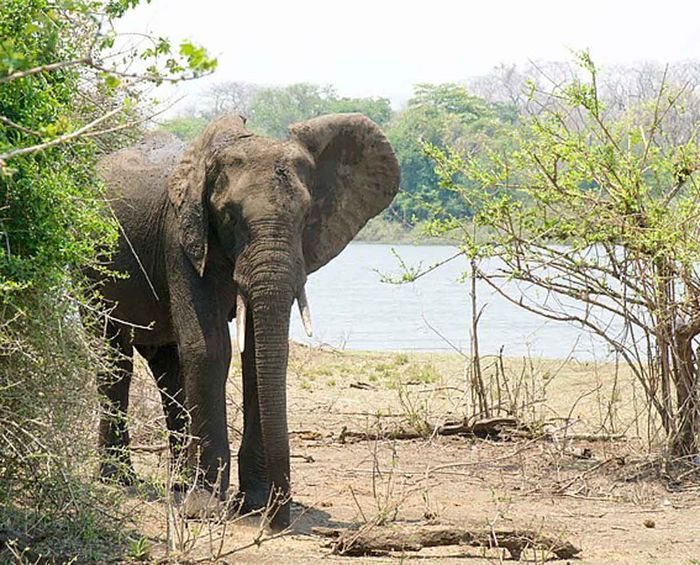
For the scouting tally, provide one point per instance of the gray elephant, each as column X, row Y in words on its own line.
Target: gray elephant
column 229, row 226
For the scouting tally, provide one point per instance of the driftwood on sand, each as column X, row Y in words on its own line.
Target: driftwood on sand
column 381, row 540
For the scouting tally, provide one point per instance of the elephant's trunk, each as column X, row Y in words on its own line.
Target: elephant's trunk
column 241, row 315
column 271, row 310
column 273, row 279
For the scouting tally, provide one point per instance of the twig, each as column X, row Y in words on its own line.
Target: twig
column 10, row 123
column 563, row 488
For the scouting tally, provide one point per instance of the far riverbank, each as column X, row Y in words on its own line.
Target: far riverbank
column 380, row 230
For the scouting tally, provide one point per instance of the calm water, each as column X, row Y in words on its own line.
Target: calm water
column 351, row 308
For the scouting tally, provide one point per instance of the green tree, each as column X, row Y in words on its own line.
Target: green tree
column 65, row 97
column 375, row 108
column 600, row 210
column 440, row 116
column 186, row 127
column 273, row 110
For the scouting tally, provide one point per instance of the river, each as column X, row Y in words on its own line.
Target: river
column 353, row 309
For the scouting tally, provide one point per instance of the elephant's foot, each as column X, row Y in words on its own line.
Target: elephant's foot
column 281, row 517
column 202, row 503
column 277, row 511
column 251, row 501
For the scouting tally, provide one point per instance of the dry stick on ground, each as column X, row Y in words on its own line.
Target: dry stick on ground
column 373, row 540
column 491, row 428
column 562, row 489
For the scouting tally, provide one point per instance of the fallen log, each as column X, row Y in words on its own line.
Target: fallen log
column 491, row 428
column 497, row 429
column 592, row 438
column 381, row 540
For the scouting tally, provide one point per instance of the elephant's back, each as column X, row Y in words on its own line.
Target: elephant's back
column 141, row 171
column 136, row 179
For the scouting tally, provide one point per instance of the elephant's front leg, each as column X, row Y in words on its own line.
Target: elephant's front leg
column 205, row 367
column 204, row 349
column 198, row 310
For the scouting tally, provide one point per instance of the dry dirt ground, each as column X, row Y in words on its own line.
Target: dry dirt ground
column 613, row 499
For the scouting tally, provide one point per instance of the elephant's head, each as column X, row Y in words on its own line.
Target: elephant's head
column 280, row 210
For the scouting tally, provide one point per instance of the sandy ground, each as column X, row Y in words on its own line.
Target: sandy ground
column 613, row 499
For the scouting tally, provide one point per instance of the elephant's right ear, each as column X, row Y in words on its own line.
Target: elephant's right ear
column 187, row 193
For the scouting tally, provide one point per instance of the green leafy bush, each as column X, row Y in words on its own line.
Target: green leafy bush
column 64, row 100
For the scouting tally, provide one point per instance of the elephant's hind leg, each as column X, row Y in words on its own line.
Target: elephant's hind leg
column 165, row 366
column 113, row 388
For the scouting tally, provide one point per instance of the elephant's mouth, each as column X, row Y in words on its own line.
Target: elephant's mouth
column 242, row 308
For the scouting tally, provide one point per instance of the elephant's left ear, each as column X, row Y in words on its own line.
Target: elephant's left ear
column 356, row 177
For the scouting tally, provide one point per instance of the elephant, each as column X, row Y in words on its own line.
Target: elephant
column 227, row 227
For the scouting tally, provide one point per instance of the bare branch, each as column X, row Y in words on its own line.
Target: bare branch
column 45, row 68
column 59, row 140
column 19, row 127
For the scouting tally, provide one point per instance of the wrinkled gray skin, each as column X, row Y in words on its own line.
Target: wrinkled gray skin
column 233, row 213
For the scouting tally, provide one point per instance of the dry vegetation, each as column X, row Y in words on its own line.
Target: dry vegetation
column 582, row 467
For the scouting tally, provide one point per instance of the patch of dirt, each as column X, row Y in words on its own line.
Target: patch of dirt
column 609, row 498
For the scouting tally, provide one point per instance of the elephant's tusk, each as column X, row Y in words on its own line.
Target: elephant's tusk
column 240, row 322
column 305, row 312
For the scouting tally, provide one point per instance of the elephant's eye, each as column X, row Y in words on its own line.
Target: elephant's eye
column 219, row 184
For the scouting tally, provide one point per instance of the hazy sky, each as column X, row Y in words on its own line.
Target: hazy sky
column 383, row 47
